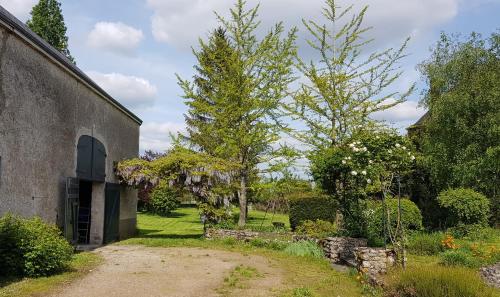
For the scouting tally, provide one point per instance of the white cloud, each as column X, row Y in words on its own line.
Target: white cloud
column 393, row 19
column 19, row 8
column 155, row 136
column 131, row 91
column 115, row 37
column 404, row 112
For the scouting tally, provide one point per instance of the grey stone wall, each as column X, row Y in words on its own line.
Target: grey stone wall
column 236, row 234
column 44, row 109
column 341, row 249
column 374, row 261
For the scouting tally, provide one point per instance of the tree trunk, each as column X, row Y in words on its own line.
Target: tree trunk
column 243, row 200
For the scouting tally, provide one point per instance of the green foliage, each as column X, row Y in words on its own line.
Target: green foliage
column 304, row 248
column 34, row 247
column 11, row 257
column 317, row 229
column 276, row 245
column 459, row 257
column 212, row 214
column 411, row 218
column 464, row 207
column 163, row 200
column 365, row 165
column 206, row 177
column 311, row 206
column 48, row 22
column 437, row 281
column 425, row 243
column 463, row 76
column 302, row 292
column 241, row 81
column 343, row 87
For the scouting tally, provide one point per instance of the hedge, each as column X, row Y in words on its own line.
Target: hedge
column 311, row 206
column 31, row 247
column 464, row 207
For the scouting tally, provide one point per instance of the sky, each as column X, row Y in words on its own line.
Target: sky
column 134, row 48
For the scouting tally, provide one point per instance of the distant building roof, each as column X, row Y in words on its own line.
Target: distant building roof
column 420, row 121
column 17, row 27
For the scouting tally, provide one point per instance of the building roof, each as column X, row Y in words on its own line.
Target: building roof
column 17, row 27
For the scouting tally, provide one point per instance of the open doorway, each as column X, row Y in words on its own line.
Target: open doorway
column 84, row 212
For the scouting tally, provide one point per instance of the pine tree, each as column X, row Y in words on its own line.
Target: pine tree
column 217, row 76
column 238, row 91
column 48, row 22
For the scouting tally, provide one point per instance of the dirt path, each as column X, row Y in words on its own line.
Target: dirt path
column 174, row 272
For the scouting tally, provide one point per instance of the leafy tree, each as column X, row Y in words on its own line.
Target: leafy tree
column 345, row 86
column 241, row 81
column 371, row 164
column 462, row 131
column 48, row 22
column 208, row 178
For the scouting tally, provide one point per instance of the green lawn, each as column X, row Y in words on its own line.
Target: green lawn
column 184, row 223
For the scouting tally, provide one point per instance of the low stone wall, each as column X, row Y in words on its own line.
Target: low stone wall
column 341, row 249
column 491, row 274
column 225, row 233
column 374, row 261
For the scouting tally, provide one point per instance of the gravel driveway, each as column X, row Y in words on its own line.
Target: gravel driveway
column 139, row 271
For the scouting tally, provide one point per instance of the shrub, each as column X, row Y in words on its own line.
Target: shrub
column 34, row 247
column 163, row 200
column 459, row 257
column 270, row 244
column 317, row 229
column 311, row 206
column 464, row 207
column 304, row 248
column 11, row 257
column 436, row 281
column 425, row 243
column 411, row 218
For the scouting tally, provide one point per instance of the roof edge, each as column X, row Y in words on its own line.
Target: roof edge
column 16, row 26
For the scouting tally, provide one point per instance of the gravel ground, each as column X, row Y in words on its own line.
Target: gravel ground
column 173, row 272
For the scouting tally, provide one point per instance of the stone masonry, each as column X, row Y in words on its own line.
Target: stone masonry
column 236, row 234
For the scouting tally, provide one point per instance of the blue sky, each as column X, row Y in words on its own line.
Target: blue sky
column 133, row 48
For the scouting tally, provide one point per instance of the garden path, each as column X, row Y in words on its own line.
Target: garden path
column 174, row 272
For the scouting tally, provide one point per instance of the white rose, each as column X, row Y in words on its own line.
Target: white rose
column 343, row 162
column 354, row 173
column 363, row 172
column 412, row 158
column 369, row 181
column 404, row 147
column 398, row 145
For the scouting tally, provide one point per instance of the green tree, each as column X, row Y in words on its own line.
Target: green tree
column 240, row 84
column 345, row 86
column 48, row 22
column 462, row 131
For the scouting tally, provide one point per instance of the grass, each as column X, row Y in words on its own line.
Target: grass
column 302, row 274
column 81, row 264
column 238, row 279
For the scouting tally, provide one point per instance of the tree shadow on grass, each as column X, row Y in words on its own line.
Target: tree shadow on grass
column 148, row 233
column 7, row 280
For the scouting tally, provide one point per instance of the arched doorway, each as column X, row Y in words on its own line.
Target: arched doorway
column 87, row 195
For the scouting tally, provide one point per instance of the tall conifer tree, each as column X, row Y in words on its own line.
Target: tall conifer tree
column 236, row 94
column 48, row 22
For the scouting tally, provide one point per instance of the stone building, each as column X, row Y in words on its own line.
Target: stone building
column 60, row 138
